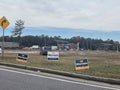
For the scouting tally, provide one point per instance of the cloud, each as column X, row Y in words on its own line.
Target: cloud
column 89, row 14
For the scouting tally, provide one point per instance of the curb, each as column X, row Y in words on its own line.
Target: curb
column 81, row 76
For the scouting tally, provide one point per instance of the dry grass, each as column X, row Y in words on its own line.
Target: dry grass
column 103, row 64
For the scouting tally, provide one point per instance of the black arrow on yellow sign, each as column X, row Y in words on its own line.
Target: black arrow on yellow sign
column 4, row 22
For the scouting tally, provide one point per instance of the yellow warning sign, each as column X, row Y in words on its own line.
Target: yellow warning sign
column 4, row 22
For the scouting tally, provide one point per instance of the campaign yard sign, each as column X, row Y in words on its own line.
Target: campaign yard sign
column 22, row 57
column 81, row 64
column 53, row 55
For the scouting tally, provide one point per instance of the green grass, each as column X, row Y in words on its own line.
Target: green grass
column 102, row 65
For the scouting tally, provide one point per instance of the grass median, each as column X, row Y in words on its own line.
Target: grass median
column 102, row 64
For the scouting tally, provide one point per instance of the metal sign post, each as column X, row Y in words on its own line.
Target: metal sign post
column 3, row 45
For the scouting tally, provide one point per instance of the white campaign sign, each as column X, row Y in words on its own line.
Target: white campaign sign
column 53, row 55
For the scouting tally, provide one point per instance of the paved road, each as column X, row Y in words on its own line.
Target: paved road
column 17, row 80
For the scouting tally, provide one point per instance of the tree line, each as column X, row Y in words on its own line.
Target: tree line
column 84, row 43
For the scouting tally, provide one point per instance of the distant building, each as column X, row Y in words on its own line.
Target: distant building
column 72, row 46
column 104, row 46
column 10, row 45
column 34, row 47
column 65, row 45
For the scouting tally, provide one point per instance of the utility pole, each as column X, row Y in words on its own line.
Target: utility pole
column 117, row 46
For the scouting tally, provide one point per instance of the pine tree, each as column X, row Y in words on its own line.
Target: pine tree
column 19, row 26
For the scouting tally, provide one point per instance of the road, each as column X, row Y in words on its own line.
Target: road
column 18, row 80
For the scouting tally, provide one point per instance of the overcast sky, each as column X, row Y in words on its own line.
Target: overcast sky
column 87, row 14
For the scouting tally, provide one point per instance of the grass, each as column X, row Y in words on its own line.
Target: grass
column 102, row 64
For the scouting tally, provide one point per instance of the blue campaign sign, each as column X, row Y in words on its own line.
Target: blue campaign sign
column 81, row 64
column 22, row 57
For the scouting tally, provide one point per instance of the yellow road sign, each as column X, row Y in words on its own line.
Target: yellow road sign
column 4, row 22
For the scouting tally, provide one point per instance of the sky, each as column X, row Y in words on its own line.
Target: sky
column 96, row 15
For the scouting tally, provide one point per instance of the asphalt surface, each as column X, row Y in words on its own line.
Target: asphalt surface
column 18, row 80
